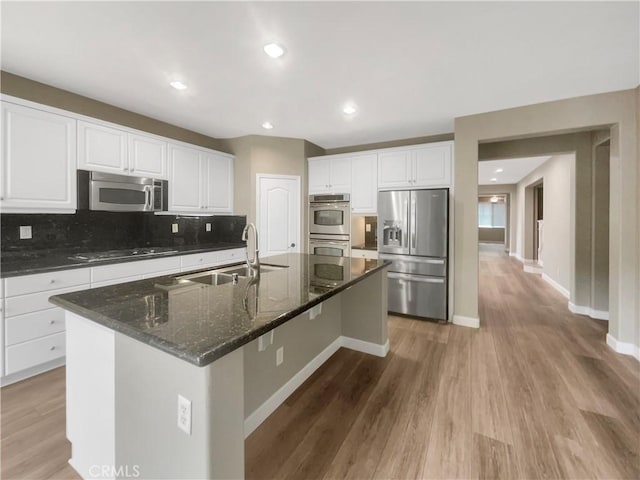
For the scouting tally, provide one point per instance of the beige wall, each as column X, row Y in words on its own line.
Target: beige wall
column 393, row 143
column 491, row 235
column 275, row 155
column 557, row 177
column 21, row 87
column 617, row 109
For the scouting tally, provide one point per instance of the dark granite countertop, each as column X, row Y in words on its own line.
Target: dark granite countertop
column 200, row 323
column 14, row 264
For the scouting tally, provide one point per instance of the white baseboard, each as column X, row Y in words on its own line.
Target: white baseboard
column 556, row 285
column 532, row 268
column 516, row 255
column 365, row 347
column 588, row 311
column 30, row 372
column 623, row 347
column 261, row 413
column 462, row 321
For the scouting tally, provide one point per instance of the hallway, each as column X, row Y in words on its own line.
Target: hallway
column 534, row 393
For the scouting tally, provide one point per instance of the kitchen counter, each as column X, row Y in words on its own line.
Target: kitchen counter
column 227, row 355
column 199, row 323
column 13, row 264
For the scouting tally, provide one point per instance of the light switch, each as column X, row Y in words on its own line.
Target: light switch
column 367, row 227
column 25, row 232
column 174, row 228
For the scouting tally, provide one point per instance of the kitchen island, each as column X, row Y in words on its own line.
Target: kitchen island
column 167, row 376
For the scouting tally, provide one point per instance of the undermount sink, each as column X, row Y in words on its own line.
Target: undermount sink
column 223, row 276
column 244, row 271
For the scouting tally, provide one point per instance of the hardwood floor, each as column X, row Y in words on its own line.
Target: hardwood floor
column 534, row 393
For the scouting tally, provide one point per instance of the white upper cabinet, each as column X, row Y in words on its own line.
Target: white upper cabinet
column 218, row 190
column 102, row 148
column 147, row 156
column 111, row 150
column 364, row 183
column 185, row 182
column 394, row 169
column 38, row 161
column 330, row 175
column 422, row 166
column 432, row 165
column 200, row 180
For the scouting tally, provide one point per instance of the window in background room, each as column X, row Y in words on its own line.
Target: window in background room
column 491, row 215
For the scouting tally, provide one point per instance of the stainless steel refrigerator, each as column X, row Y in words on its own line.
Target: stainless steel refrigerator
column 413, row 232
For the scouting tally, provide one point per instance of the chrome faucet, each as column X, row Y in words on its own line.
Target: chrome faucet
column 253, row 265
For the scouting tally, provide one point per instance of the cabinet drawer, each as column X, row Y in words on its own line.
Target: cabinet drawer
column 232, row 256
column 33, row 325
column 160, row 274
column 200, row 260
column 34, row 352
column 130, row 269
column 35, row 301
column 42, row 282
column 116, row 281
column 361, row 253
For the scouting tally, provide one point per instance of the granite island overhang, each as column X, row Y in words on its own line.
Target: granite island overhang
column 234, row 352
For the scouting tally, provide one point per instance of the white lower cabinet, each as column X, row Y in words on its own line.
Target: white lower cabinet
column 32, row 333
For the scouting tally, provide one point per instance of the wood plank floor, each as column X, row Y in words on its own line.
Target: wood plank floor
column 534, row 393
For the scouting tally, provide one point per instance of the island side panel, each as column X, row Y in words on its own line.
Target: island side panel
column 306, row 342
column 90, row 397
column 364, row 315
column 148, row 382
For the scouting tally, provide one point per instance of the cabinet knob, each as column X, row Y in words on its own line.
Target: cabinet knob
column 52, row 281
column 52, row 348
column 1, row 198
column 51, row 322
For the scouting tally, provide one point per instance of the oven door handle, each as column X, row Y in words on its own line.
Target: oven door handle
column 324, row 206
column 315, row 242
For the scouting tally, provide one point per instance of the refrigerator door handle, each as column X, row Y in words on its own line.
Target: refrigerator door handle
column 406, row 225
column 413, row 221
column 415, row 278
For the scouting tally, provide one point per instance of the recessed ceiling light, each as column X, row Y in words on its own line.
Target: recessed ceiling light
column 494, row 179
column 349, row 109
column 267, row 125
column 499, row 170
column 178, row 85
column 273, row 50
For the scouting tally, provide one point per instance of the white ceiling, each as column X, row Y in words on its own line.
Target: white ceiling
column 410, row 67
column 513, row 170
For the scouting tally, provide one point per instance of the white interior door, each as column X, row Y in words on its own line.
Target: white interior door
column 278, row 214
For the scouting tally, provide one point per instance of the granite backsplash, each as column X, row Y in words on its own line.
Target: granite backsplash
column 96, row 231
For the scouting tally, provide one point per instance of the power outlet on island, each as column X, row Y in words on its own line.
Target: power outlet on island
column 207, row 227
column 174, row 228
column 279, row 356
column 184, row 414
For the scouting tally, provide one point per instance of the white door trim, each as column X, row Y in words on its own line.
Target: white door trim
column 259, row 177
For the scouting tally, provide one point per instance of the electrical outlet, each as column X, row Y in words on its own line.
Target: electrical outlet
column 184, row 414
column 25, row 232
column 367, row 227
column 174, row 228
column 207, row 227
column 279, row 356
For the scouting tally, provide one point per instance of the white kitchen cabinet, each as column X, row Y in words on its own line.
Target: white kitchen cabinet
column 432, row 165
column 102, row 148
column 185, row 184
column 218, row 188
column 38, row 161
column 364, row 184
column 415, row 167
column 395, row 169
column 147, row 156
column 330, row 175
column 200, row 181
column 106, row 149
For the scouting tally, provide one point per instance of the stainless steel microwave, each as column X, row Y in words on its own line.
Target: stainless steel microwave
column 121, row 193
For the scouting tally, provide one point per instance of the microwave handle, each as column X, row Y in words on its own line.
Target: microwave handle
column 148, row 191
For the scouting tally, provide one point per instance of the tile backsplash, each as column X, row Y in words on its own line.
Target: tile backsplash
column 90, row 230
